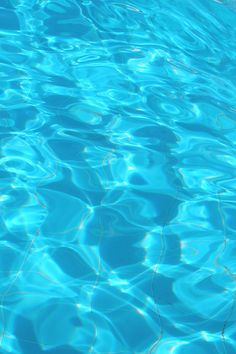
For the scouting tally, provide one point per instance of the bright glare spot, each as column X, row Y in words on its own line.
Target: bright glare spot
column 3, row 198
column 141, row 312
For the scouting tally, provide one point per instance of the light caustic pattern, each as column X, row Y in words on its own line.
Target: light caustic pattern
column 117, row 188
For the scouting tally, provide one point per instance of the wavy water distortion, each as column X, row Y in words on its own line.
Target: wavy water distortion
column 117, row 188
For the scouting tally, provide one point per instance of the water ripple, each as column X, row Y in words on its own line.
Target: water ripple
column 117, row 189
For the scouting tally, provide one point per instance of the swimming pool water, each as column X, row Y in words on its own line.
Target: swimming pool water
column 117, row 188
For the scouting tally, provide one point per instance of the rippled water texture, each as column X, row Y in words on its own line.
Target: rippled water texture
column 117, row 188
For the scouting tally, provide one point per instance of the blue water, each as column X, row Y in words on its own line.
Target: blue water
column 117, row 188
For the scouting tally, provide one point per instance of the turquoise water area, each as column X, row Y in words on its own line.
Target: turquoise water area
column 117, row 188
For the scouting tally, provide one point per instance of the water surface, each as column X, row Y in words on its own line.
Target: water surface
column 117, row 188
